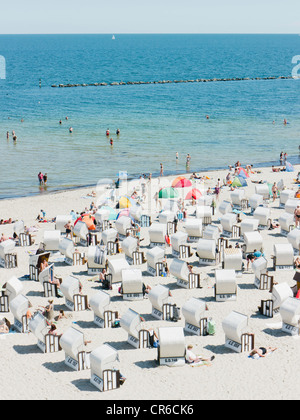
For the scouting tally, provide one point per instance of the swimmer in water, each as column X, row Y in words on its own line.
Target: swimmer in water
column 207, row 117
column 71, row 130
column 107, row 132
column 118, row 131
column 111, row 142
column 7, row 135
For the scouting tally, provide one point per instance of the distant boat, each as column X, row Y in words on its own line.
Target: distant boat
column 113, row 37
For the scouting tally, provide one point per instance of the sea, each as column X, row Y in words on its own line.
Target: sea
column 155, row 120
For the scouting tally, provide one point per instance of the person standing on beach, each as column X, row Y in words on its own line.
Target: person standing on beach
column 45, row 179
column 177, row 157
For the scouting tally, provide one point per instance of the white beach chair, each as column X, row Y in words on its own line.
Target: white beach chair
column 132, row 284
column 186, row 279
column 280, row 292
column 162, row 309
column 194, row 311
column 19, row 307
column 12, row 289
column 130, row 247
column 105, row 373
column 283, row 257
column 225, row 207
column 235, row 326
column 155, row 257
column 291, row 205
column 211, row 232
column 233, row 260
column 123, row 226
column 8, row 259
column 61, row 221
column 287, row 223
column 131, row 323
column 157, row 234
column 96, row 259
column 72, row 343
column 252, row 241
column 35, row 263
column 48, row 343
column 171, row 350
column 262, row 214
column 81, row 232
column 248, row 225
column 99, row 303
column 52, row 240
column 204, row 213
column 207, row 253
column 67, row 249
column 229, row 225
column 225, row 285
column 180, row 247
column 285, row 195
column 74, row 300
column 263, row 190
column 293, row 238
column 255, row 201
column 237, row 196
column 116, row 264
column 194, row 229
column 262, row 280
column 290, row 314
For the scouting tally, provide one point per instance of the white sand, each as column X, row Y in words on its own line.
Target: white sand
column 27, row 373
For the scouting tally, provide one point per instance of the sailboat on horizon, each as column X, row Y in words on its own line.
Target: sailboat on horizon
column 113, row 37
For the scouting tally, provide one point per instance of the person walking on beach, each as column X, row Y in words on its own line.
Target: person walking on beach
column 161, row 170
column 274, row 191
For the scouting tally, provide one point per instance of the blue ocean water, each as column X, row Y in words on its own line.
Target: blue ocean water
column 155, row 120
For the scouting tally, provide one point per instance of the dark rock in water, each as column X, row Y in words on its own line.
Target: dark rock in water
column 103, row 84
column 53, row 85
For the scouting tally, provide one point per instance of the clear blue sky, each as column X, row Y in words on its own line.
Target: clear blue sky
column 149, row 16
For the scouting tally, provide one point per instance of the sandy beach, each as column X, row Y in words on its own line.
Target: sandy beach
column 27, row 373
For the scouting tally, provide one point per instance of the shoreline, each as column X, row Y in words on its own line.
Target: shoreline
column 292, row 159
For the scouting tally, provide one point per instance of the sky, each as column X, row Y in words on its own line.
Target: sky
column 149, row 16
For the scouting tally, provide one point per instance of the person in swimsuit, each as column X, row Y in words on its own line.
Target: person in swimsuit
column 297, row 216
column 262, row 351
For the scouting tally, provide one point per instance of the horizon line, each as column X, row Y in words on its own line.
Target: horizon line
column 156, row 33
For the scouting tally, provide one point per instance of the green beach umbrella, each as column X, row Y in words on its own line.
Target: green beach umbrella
column 168, row 192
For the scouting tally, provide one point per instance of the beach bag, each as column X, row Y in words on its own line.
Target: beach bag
column 211, row 327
